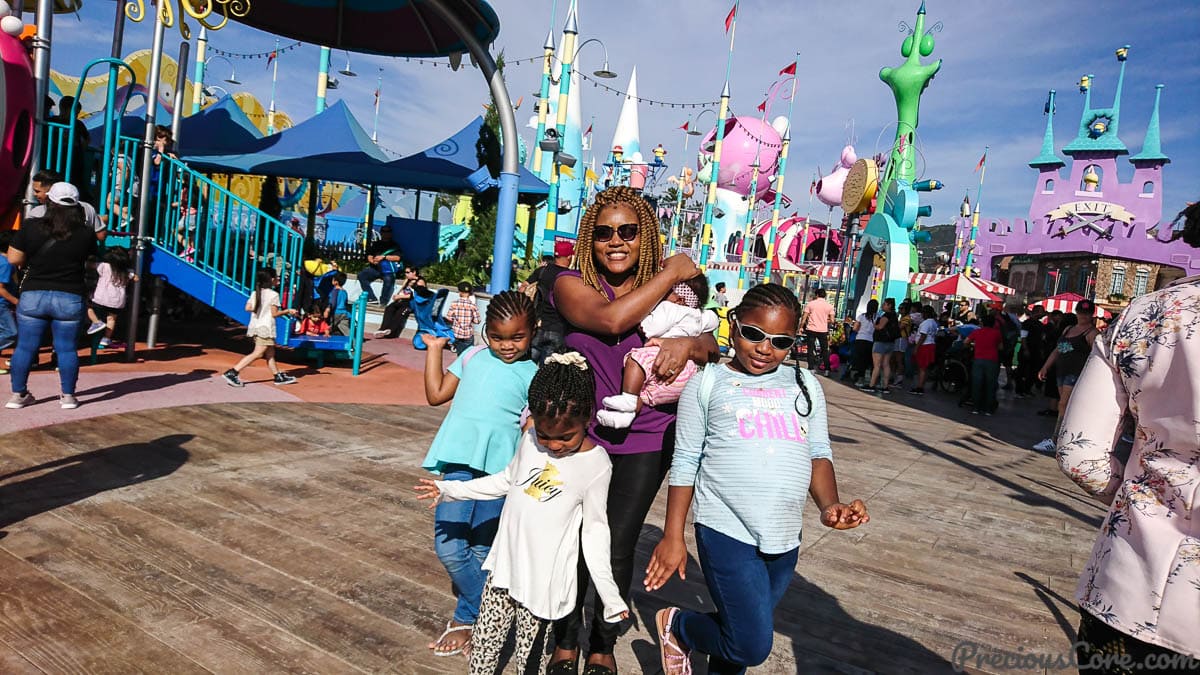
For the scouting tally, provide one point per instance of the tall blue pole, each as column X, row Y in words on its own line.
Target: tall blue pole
column 570, row 31
column 773, row 233
column 201, row 66
column 322, row 79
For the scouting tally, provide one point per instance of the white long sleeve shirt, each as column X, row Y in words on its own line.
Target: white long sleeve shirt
column 669, row 320
column 549, row 502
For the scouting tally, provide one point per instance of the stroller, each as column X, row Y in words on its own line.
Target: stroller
column 427, row 309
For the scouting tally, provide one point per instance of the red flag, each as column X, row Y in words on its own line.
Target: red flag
column 981, row 161
column 762, row 107
column 271, row 57
column 685, row 126
column 812, row 189
column 729, row 19
column 376, row 98
column 790, row 70
column 589, row 131
column 1053, row 273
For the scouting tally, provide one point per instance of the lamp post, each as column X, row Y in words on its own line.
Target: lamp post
column 688, row 132
column 544, row 95
column 970, row 270
column 722, row 115
column 554, row 145
column 783, row 156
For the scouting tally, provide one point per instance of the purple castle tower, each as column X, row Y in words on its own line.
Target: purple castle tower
column 1090, row 233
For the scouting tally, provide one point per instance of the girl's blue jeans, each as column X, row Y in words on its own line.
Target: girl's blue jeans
column 745, row 585
column 62, row 312
column 462, row 536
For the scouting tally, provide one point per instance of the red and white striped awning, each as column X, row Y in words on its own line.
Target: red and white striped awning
column 924, row 279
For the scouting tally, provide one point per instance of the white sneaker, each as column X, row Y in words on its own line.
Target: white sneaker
column 18, row 401
column 1045, row 447
column 95, row 328
column 68, row 402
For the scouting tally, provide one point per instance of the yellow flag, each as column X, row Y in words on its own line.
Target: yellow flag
column 566, row 170
column 590, row 176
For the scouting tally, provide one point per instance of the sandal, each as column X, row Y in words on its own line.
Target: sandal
column 597, row 669
column 675, row 659
column 465, row 648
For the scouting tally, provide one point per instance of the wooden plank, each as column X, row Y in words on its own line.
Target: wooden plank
column 58, row 630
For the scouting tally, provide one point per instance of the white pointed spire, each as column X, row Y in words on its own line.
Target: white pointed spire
column 628, row 134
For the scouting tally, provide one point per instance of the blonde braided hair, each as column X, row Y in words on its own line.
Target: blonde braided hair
column 650, row 246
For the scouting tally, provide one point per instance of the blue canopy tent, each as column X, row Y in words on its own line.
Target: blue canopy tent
column 221, row 127
column 449, row 165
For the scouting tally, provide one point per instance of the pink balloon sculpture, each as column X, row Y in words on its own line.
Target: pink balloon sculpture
column 16, row 116
column 829, row 188
column 744, row 137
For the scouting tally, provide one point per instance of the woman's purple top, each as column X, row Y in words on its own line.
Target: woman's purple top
column 606, row 354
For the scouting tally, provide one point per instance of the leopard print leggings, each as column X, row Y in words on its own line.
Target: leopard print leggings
column 497, row 614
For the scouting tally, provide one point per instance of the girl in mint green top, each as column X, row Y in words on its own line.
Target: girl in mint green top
column 479, row 436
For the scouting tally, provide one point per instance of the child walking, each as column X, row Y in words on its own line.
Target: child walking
column 264, row 308
column 489, row 387
column 557, row 496
column 463, row 315
column 747, row 462
column 678, row 315
column 109, row 297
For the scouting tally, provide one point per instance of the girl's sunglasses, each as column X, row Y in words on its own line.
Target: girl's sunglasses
column 755, row 334
column 627, row 232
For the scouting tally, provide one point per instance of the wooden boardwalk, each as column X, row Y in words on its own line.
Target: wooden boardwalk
column 283, row 537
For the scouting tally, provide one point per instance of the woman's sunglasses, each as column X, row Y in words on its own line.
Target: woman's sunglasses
column 627, row 232
column 756, row 335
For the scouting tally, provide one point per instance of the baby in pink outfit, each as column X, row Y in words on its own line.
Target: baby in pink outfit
column 678, row 315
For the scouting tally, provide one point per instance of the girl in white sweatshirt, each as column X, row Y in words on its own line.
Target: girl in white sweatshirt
column 556, row 490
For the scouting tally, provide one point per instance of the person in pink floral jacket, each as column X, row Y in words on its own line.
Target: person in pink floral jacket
column 1140, row 591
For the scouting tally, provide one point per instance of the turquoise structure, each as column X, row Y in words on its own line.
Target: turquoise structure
column 890, row 229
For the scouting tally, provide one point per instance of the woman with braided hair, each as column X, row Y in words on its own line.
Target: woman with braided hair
column 747, row 462
column 555, row 490
column 618, row 283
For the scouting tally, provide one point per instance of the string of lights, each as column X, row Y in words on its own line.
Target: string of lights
column 255, row 55
column 649, row 101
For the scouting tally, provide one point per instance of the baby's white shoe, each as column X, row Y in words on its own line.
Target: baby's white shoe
column 621, row 402
column 614, row 419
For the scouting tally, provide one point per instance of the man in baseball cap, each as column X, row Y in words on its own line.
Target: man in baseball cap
column 48, row 186
column 551, row 327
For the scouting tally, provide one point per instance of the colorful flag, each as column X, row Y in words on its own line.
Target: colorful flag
column 566, row 170
column 685, row 126
column 981, row 161
column 1053, row 273
column 762, row 107
column 377, row 97
column 589, row 131
column 590, row 176
column 790, row 70
column 812, row 189
column 729, row 19
column 271, row 57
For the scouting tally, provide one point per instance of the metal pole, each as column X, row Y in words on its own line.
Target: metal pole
column 970, row 269
column 506, row 210
column 41, row 76
column 180, row 83
column 145, row 210
column 722, row 115
column 748, row 238
column 378, row 95
column 544, row 99
column 322, row 78
column 274, row 79
column 201, row 66
column 783, row 155
column 155, row 314
column 570, row 31
column 110, row 131
column 687, row 133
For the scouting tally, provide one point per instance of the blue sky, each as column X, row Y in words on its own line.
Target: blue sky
column 999, row 60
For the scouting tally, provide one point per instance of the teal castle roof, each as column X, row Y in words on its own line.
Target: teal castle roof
column 1152, row 145
column 1048, row 158
column 1098, row 126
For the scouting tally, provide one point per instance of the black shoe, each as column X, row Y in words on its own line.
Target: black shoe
column 284, row 378
column 564, row 667
column 597, row 669
column 917, row 391
column 231, row 378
